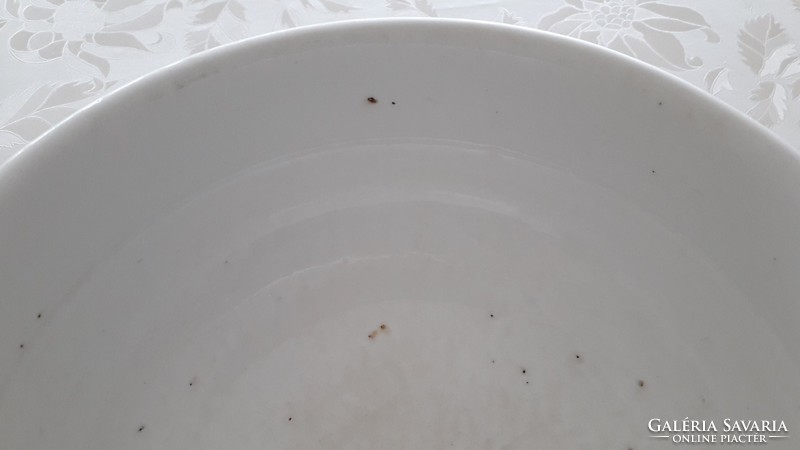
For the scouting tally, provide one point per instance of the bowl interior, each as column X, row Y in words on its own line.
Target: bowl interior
column 397, row 234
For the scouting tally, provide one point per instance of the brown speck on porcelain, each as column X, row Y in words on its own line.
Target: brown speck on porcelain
column 141, row 428
column 641, row 383
column 372, row 335
column 39, row 316
column 372, row 100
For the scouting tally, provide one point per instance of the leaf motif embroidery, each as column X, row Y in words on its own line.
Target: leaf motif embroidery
column 216, row 22
column 199, row 40
column 147, row 20
column 44, row 108
column 209, row 14
column 426, row 7
column 770, row 107
column 645, row 29
column 423, row 6
column 683, row 13
column 237, row 9
column 335, row 7
column 666, row 47
column 509, row 17
column 768, row 51
column 549, row 20
column 287, row 20
column 759, row 40
column 716, row 80
column 119, row 40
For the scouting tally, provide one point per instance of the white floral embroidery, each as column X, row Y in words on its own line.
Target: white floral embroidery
column 216, row 22
column 716, row 80
column 419, row 7
column 768, row 51
column 511, row 18
column 294, row 10
column 645, row 29
column 80, row 32
column 28, row 114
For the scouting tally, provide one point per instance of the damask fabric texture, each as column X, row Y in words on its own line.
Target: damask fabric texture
column 59, row 55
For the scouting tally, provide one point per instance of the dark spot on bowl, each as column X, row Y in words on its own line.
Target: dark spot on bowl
column 290, row 419
column 141, row 428
column 394, row 103
column 372, row 100
column 383, row 326
column 641, row 383
column 577, row 356
column 372, row 335
column 660, row 103
column 652, row 171
column 39, row 316
column 226, row 261
column 524, row 371
column 527, row 382
column 491, row 315
column 21, row 345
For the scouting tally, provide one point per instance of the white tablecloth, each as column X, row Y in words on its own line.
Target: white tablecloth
column 58, row 55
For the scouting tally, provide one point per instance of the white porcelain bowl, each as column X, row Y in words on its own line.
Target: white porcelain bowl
column 521, row 241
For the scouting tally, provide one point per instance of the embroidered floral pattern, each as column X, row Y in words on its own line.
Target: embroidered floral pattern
column 84, row 33
column 769, row 52
column 216, row 22
column 645, row 29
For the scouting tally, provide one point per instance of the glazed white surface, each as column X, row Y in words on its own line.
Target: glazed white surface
column 197, row 259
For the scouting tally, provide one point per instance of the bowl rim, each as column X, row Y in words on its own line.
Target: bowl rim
column 36, row 152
